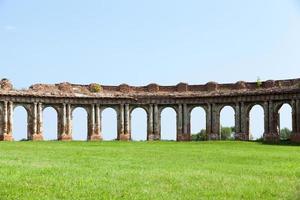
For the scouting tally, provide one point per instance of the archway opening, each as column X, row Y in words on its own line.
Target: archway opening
column 109, row 124
column 79, row 124
column 198, row 124
column 285, row 122
column 139, row 124
column 168, row 124
column 50, row 123
column 227, row 123
column 256, row 123
column 20, row 119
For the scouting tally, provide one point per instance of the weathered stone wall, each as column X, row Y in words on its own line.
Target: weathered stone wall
column 153, row 98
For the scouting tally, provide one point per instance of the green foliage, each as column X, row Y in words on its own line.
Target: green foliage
column 201, row 136
column 95, row 87
column 258, row 82
column 227, row 133
column 285, row 134
column 148, row 170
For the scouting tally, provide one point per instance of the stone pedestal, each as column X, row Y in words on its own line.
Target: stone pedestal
column 95, row 137
column 271, row 137
column 295, row 138
column 65, row 137
column 184, row 137
column 124, row 137
column 241, row 136
column 6, row 137
column 37, row 137
column 213, row 136
column 151, row 137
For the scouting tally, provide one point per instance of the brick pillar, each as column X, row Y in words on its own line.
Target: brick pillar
column 150, row 134
column 36, row 122
column 295, row 137
column 7, row 121
column 65, row 121
column 215, row 123
column 156, row 122
column 271, row 133
column 241, row 122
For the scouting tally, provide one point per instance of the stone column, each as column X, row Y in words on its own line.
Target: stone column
column 7, row 121
column 215, row 127
column 297, row 111
column 185, row 121
column 10, row 119
column 121, row 123
column 156, row 122
column 295, row 137
column 241, row 122
column 92, row 135
column 208, row 121
column 237, row 118
column 271, row 133
column 66, row 123
column 150, row 134
column 179, row 123
column 36, row 124
column 4, row 120
column 69, row 121
column 61, row 122
column 127, row 122
column 40, row 119
column 98, row 132
column 1, row 120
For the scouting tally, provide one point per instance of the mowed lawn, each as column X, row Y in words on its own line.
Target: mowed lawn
column 148, row 170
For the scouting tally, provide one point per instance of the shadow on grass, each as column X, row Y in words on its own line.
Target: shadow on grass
column 280, row 143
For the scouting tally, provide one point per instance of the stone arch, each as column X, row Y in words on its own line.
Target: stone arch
column 198, row 131
column 50, row 132
column 278, row 105
column 138, row 133
column 227, row 127
column 171, row 120
column 249, row 106
column 114, row 107
column 74, row 107
column 109, row 126
column 283, row 113
column 144, row 107
column 21, row 117
column 255, row 121
column 161, row 108
column 79, row 128
column 57, row 108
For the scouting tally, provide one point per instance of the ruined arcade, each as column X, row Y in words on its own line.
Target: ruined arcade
column 153, row 98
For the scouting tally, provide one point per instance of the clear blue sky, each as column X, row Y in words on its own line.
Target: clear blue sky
column 138, row 42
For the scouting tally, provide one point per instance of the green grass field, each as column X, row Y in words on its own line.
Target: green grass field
column 148, row 170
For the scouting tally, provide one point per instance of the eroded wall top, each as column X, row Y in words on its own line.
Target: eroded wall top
column 95, row 90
